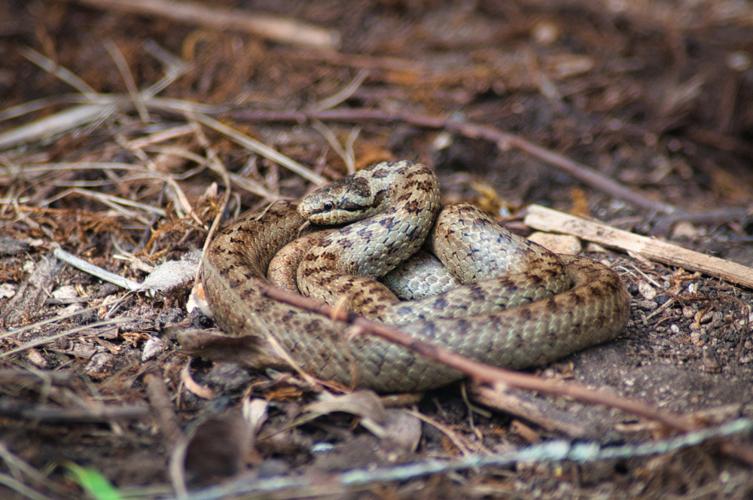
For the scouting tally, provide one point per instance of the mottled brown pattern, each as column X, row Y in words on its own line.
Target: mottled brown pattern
column 541, row 309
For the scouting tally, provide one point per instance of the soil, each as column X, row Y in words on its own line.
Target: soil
column 655, row 95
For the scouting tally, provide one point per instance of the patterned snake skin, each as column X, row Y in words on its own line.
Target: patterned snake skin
column 517, row 304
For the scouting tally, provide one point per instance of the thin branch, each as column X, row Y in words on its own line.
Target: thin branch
column 51, row 414
column 279, row 29
column 62, row 73
column 503, row 140
column 71, row 331
column 125, row 72
column 96, row 271
column 259, row 148
column 478, row 371
column 341, row 95
column 549, row 452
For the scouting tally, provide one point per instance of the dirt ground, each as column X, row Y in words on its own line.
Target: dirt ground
column 655, row 95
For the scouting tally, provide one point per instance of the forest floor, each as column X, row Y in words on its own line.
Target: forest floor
column 125, row 133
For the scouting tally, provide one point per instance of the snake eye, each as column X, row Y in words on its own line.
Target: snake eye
column 328, row 205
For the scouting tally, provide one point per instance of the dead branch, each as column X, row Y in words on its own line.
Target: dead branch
column 278, row 29
column 503, row 140
column 546, row 219
column 479, row 371
column 548, row 452
column 50, row 414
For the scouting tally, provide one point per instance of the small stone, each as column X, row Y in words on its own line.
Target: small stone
column 647, row 291
column 322, row 447
column 684, row 229
column 100, row 365
column 545, row 32
column 674, row 328
column 152, row 348
column 738, row 60
column 557, row 243
column 66, row 292
column 706, row 317
column 36, row 358
column 7, row 290
column 688, row 312
column 662, row 299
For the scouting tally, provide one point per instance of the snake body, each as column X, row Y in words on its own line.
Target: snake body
column 517, row 306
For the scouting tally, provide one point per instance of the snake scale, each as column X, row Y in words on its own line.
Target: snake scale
column 511, row 303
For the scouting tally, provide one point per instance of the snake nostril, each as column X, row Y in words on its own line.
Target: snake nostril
column 328, row 205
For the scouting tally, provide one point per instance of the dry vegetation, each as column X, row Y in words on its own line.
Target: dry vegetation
column 129, row 129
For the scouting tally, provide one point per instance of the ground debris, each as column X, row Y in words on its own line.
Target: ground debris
column 128, row 154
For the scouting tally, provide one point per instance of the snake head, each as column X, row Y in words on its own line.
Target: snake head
column 346, row 200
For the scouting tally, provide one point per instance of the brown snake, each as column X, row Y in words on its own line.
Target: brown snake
column 529, row 309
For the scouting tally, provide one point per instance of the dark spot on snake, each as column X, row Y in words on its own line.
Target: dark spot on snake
column 476, row 292
column 463, row 326
column 313, row 326
column 525, row 313
column 360, row 186
column 380, row 173
column 535, row 279
column 388, row 222
column 551, row 305
column 503, row 238
column 404, row 310
column 413, row 207
column 440, row 303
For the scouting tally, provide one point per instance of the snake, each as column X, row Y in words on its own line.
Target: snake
column 492, row 296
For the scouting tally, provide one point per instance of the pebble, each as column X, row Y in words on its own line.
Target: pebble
column 684, row 229
column 152, row 348
column 66, row 292
column 7, row 290
column 646, row 290
column 100, row 365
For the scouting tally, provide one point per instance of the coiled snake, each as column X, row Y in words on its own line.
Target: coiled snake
column 502, row 300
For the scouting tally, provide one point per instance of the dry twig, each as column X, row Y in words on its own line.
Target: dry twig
column 546, row 219
column 503, row 140
column 267, row 26
column 548, row 452
column 479, row 371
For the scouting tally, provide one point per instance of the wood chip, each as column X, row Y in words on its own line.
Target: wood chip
column 557, row 243
column 546, row 219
